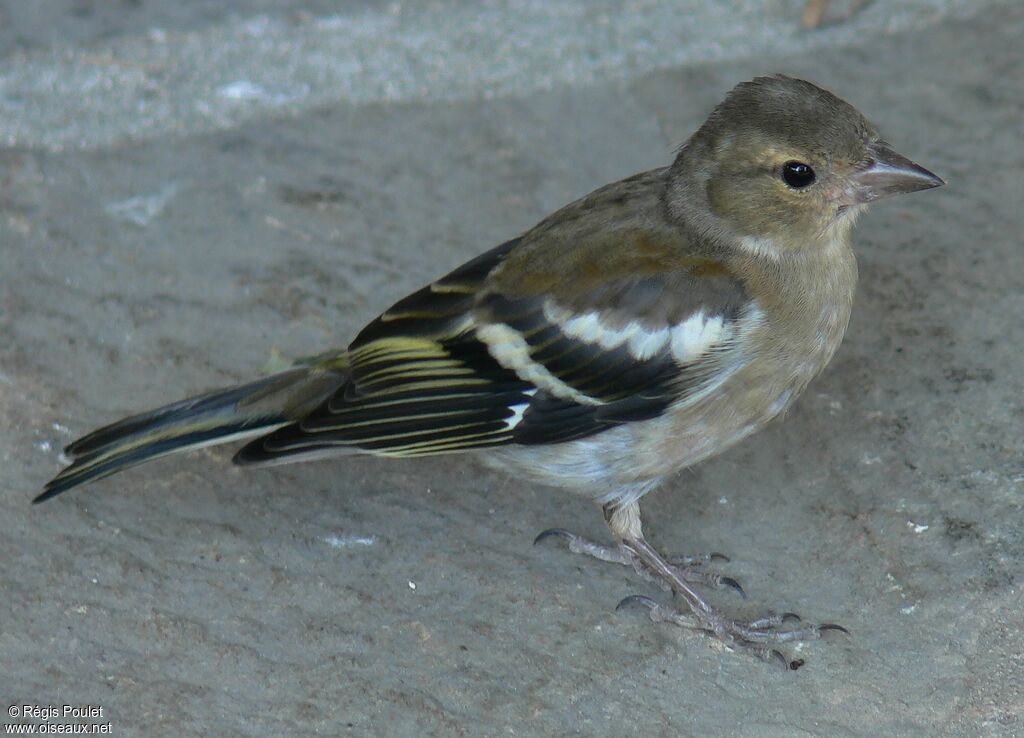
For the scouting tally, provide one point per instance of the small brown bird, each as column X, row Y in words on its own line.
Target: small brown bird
column 635, row 332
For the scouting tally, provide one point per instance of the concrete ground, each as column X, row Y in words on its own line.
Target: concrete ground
column 186, row 187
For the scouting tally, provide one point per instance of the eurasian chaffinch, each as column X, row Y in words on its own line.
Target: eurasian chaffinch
column 637, row 331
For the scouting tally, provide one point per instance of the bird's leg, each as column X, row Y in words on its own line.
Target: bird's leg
column 691, row 568
column 754, row 636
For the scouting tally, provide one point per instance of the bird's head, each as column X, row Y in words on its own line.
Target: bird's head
column 780, row 163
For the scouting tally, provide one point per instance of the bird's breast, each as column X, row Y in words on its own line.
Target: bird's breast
column 797, row 330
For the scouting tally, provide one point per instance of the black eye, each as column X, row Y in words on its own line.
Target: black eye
column 797, row 174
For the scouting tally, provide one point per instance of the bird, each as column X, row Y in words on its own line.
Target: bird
column 635, row 332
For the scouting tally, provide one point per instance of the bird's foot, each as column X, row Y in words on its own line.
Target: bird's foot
column 692, row 569
column 757, row 637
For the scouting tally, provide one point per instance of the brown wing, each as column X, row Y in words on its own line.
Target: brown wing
column 464, row 363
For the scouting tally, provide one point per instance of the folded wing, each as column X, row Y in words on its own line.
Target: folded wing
column 469, row 362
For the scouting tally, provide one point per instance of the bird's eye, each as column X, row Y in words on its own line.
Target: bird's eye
column 797, row 174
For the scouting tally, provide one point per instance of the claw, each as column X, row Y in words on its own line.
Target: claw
column 833, row 626
column 561, row 532
column 636, row 600
column 733, row 584
column 677, row 574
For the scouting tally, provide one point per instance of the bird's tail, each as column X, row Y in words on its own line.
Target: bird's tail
column 217, row 417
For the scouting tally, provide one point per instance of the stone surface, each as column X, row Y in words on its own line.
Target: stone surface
column 369, row 597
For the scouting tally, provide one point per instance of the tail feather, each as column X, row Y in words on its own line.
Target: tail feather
column 217, row 417
column 116, row 433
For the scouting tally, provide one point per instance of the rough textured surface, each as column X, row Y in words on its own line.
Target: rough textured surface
column 369, row 597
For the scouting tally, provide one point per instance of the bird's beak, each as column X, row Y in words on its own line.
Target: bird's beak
column 887, row 173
